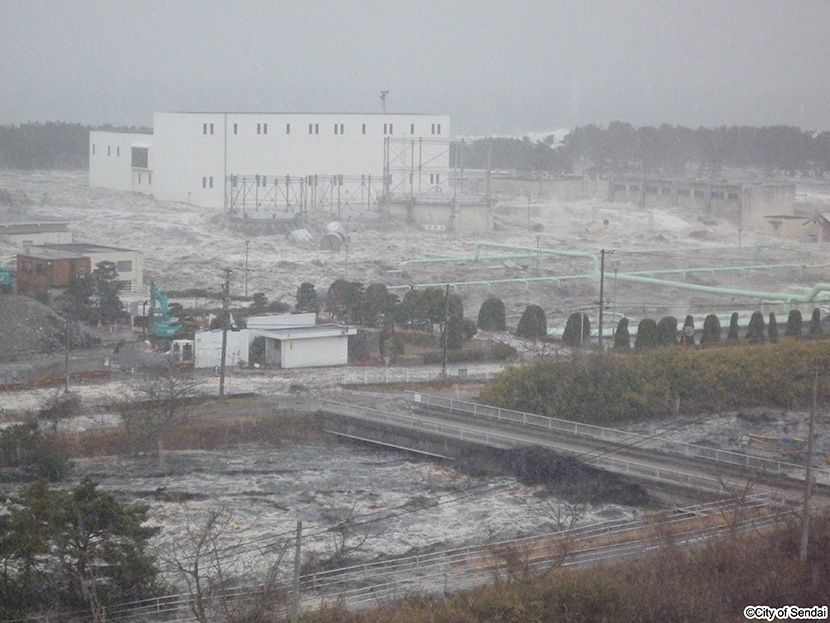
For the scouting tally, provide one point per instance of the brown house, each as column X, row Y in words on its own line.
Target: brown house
column 43, row 274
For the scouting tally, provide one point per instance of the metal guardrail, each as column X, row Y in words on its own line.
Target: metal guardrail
column 605, row 434
column 378, row 376
column 453, row 569
column 374, row 376
column 452, row 431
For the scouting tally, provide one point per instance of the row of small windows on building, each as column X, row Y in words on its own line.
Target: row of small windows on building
column 207, row 182
column 109, row 150
column 314, row 128
column 681, row 192
column 149, row 179
column 43, row 269
column 122, row 266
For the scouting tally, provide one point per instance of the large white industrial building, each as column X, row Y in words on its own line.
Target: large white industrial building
column 199, row 157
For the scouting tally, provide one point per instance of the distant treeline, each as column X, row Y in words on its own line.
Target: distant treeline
column 511, row 154
column 619, row 148
column 670, row 150
column 52, row 145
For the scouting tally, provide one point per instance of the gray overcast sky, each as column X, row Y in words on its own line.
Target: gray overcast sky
column 497, row 67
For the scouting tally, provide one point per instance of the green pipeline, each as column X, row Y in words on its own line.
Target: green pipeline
column 635, row 277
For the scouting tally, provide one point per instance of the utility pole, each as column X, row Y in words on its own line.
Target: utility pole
column 601, row 291
column 295, row 602
column 446, row 332
column 225, row 322
column 144, row 318
column 805, row 520
column 66, row 357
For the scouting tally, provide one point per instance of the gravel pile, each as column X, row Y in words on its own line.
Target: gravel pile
column 28, row 327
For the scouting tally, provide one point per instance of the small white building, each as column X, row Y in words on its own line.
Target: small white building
column 34, row 233
column 204, row 158
column 291, row 341
column 310, row 346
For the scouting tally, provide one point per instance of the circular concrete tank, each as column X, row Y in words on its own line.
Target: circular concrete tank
column 334, row 241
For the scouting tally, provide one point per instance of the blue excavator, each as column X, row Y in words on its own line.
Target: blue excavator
column 163, row 329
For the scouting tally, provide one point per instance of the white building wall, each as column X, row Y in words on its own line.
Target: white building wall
column 189, row 157
column 110, row 161
column 134, row 276
column 320, row 351
column 194, row 150
column 142, row 181
column 208, row 348
column 192, row 154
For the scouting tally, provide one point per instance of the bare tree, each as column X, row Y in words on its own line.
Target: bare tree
column 224, row 582
column 161, row 399
column 564, row 516
column 510, row 556
column 57, row 406
column 542, row 350
column 735, row 508
column 348, row 534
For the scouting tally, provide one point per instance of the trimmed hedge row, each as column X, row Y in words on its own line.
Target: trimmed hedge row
column 657, row 383
column 499, row 352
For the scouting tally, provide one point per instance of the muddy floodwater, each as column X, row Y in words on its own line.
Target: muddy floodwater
column 392, row 502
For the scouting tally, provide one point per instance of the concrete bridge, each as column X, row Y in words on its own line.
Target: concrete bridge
column 453, row 429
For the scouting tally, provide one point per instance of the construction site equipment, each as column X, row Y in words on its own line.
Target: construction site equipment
column 163, row 329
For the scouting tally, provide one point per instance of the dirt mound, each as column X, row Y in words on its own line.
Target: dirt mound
column 28, row 327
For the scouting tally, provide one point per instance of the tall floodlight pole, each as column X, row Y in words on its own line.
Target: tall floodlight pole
column 225, row 322
column 489, row 171
column 383, row 95
column 247, row 242
column 446, row 332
